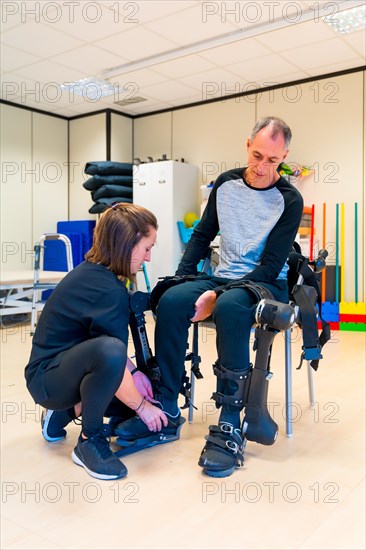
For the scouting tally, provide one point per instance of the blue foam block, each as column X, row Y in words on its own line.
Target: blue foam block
column 330, row 311
column 55, row 253
column 84, row 227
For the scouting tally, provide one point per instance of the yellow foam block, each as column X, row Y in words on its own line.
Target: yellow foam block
column 351, row 308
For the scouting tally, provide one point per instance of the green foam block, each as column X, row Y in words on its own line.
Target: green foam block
column 359, row 327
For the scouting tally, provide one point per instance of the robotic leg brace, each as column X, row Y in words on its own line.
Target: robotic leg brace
column 224, row 450
column 139, row 303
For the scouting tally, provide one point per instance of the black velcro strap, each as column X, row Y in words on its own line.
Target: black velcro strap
column 167, row 282
column 153, row 371
column 310, row 279
column 299, row 265
column 260, row 292
column 239, row 396
column 306, row 298
column 228, row 442
column 226, row 374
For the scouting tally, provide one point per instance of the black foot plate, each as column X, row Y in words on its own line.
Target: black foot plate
column 130, row 447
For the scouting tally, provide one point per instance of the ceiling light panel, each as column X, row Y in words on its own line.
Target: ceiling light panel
column 348, row 21
column 91, row 88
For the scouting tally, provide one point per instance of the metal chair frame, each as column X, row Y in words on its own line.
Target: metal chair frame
column 38, row 285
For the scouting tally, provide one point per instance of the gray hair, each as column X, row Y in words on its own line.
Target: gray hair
column 277, row 126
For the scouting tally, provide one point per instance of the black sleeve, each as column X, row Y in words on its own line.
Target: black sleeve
column 202, row 236
column 279, row 243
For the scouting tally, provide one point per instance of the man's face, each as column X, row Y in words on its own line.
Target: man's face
column 264, row 156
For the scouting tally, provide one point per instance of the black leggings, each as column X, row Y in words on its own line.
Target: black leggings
column 90, row 372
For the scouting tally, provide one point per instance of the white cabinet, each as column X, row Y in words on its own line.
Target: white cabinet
column 169, row 189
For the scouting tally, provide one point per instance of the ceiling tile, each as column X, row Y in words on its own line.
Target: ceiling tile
column 46, row 96
column 166, row 91
column 266, row 68
column 10, row 19
column 122, row 94
column 88, row 21
column 145, row 11
column 93, row 60
column 32, row 102
column 57, row 41
column 295, row 36
column 244, row 49
column 189, row 26
column 39, row 39
column 333, row 67
column 20, row 13
column 316, row 55
column 136, row 43
column 86, row 107
column 246, row 15
column 141, row 77
column 65, row 111
column 189, row 64
column 357, row 41
column 135, row 80
column 47, row 71
column 12, row 59
column 13, row 86
column 286, row 78
column 196, row 98
column 146, row 107
column 216, row 83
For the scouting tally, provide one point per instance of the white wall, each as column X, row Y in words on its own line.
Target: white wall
column 121, row 138
column 153, row 136
column 213, row 136
column 50, row 190
column 33, row 182
column 87, row 142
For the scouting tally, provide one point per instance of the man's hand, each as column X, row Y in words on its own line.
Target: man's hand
column 204, row 306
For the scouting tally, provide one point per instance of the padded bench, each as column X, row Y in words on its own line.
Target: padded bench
column 19, row 289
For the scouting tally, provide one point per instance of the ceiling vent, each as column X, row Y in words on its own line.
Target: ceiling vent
column 130, row 100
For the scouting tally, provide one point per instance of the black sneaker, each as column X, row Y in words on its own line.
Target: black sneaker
column 97, row 458
column 134, row 428
column 53, row 423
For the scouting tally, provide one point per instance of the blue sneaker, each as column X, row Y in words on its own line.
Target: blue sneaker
column 95, row 455
column 53, row 424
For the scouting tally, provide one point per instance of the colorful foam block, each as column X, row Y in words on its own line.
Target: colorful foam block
column 358, row 327
column 330, row 311
column 350, row 318
column 352, row 308
column 333, row 325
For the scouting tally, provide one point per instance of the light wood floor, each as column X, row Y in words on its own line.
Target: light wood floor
column 304, row 492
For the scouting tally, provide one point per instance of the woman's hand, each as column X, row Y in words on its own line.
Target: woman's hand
column 204, row 306
column 152, row 416
column 143, row 385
